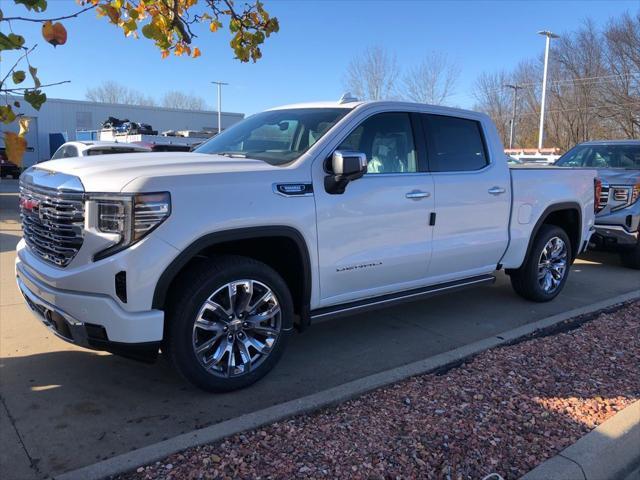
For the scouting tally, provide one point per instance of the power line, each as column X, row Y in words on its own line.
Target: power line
column 579, row 81
column 587, row 108
column 585, row 79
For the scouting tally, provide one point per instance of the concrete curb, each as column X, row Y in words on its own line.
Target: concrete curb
column 609, row 452
column 152, row 453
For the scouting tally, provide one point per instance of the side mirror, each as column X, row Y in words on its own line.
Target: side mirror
column 346, row 166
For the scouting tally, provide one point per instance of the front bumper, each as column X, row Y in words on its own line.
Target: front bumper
column 92, row 320
column 615, row 236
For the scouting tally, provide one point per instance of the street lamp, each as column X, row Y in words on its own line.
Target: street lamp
column 549, row 36
column 515, row 88
column 219, row 84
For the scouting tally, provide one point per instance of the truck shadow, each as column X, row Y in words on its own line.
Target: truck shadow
column 602, row 257
column 8, row 241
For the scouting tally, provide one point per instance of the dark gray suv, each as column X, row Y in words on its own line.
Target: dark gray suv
column 618, row 218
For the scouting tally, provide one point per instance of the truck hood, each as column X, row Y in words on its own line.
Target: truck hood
column 110, row 173
column 614, row 176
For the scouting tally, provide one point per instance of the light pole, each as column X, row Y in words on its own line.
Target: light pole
column 219, row 84
column 549, row 36
column 515, row 88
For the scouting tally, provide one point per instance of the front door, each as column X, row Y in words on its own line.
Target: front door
column 375, row 238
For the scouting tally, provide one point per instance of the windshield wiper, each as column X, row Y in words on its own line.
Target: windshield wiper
column 231, row 154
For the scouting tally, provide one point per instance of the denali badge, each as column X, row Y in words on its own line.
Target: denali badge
column 293, row 189
column 358, row 267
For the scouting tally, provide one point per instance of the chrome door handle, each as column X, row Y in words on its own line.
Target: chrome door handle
column 417, row 195
column 497, row 190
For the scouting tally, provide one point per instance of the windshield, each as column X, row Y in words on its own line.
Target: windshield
column 602, row 156
column 277, row 136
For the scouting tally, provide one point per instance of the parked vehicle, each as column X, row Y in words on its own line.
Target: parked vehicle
column 126, row 126
column 135, row 128
column 537, row 159
column 294, row 215
column 7, row 168
column 533, row 156
column 618, row 218
column 85, row 149
column 514, row 162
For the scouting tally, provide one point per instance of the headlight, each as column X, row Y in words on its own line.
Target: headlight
column 129, row 217
column 635, row 193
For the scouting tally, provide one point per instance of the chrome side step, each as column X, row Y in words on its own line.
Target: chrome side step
column 383, row 301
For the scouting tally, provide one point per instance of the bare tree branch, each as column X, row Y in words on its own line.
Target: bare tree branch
column 372, row 75
column 42, row 20
column 432, row 81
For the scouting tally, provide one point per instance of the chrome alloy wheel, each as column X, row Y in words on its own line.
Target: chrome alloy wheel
column 552, row 265
column 236, row 328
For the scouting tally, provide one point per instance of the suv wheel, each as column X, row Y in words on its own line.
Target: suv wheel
column 229, row 323
column 544, row 272
column 631, row 258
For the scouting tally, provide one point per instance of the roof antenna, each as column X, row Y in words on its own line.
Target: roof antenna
column 347, row 98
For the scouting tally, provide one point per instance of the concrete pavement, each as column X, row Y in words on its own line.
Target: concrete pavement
column 68, row 407
column 609, row 452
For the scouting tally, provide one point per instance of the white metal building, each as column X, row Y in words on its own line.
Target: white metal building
column 66, row 117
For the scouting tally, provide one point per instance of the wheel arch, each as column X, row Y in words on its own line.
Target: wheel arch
column 254, row 242
column 566, row 215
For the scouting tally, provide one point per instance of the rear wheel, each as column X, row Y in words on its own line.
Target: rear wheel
column 544, row 272
column 229, row 324
column 631, row 258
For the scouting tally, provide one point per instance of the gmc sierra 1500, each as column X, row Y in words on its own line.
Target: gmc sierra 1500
column 293, row 215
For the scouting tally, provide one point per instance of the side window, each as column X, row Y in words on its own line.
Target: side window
column 387, row 141
column 454, row 144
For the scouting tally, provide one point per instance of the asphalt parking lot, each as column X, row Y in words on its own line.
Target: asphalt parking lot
column 64, row 407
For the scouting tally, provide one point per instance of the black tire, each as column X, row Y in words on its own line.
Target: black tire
column 525, row 279
column 194, row 287
column 631, row 258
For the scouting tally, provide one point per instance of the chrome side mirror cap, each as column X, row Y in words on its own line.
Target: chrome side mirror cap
column 346, row 166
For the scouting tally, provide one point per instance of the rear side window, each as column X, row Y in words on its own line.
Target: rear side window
column 454, row 144
column 109, row 151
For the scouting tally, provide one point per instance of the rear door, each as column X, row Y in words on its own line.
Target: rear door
column 472, row 198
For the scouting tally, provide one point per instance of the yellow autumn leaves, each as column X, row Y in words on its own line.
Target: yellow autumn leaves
column 169, row 23
column 15, row 143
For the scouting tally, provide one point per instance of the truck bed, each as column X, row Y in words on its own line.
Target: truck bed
column 533, row 189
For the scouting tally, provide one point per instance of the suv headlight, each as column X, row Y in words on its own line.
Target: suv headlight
column 635, row 193
column 129, row 217
column 625, row 194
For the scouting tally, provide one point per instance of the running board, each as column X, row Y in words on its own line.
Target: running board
column 383, row 301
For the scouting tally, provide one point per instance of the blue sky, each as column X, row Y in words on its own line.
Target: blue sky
column 305, row 61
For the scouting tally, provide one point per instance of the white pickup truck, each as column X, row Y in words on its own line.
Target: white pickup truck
column 294, row 215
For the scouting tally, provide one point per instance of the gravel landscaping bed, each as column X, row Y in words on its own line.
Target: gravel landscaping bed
column 505, row 411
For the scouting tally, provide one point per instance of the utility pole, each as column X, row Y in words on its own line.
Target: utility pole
column 219, row 84
column 549, row 36
column 515, row 88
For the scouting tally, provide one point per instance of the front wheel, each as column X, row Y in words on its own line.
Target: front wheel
column 543, row 275
column 229, row 323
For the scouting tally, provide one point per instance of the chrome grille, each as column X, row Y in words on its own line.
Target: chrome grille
column 52, row 222
column 604, row 197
